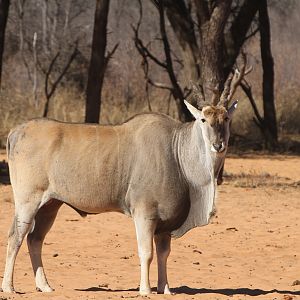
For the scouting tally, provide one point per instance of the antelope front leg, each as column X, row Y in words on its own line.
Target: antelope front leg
column 163, row 248
column 144, row 232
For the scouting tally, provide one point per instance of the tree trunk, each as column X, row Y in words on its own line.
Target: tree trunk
column 205, row 63
column 97, row 63
column 270, row 124
column 236, row 35
column 212, row 49
column 4, row 7
column 212, row 76
column 183, row 26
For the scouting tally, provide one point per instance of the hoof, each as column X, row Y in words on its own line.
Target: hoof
column 46, row 289
column 145, row 292
column 7, row 289
column 165, row 291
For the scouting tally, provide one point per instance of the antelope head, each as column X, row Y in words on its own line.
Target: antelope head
column 214, row 120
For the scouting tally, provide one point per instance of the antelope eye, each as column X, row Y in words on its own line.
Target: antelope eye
column 226, row 119
column 203, row 120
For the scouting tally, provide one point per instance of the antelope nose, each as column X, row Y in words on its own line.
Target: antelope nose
column 218, row 146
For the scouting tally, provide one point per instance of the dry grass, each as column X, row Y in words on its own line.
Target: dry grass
column 68, row 105
column 254, row 179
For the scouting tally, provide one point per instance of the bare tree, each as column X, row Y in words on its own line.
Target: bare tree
column 175, row 89
column 98, row 63
column 242, row 17
column 216, row 50
column 209, row 48
column 55, row 27
column 211, row 58
column 212, row 18
column 4, row 7
column 183, row 25
column 50, row 88
column 269, row 124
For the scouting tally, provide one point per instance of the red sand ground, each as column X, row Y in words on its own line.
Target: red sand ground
column 251, row 250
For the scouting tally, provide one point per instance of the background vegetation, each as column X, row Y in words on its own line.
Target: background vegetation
column 64, row 32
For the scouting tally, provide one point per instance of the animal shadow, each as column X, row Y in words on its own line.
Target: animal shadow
column 229, row 292
column 194, row 291
column 101, row 289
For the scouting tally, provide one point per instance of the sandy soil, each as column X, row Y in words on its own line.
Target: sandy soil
column 251, row 250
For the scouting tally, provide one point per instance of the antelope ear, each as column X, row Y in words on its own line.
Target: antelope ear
column 193, row 110
column 232, row 108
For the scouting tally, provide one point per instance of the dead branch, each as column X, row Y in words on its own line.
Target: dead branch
column 110, row 55
column 146, row 54
column 253, row 33
column 167, row 50
column 47, row 75
column 246, row 87
column 143, row 50
column 159, row 85
column 50, row 91
column 167, row 65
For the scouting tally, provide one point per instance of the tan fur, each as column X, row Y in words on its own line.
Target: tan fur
column 215, row 114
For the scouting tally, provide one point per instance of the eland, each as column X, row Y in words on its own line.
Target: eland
column 158, row 171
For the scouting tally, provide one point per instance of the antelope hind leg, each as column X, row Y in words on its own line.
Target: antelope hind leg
column 22, row 223
column 43, row 222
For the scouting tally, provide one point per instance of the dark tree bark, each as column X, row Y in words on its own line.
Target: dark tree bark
column 176, row 91
column 4, row 7
column 270, row 124
column 183, row 26
column 210, row 59
column 98, row 63
column 204, row 59
column 211, row 28
column 236, row 36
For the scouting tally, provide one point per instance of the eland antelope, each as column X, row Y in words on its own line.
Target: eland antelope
column 158, row 171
